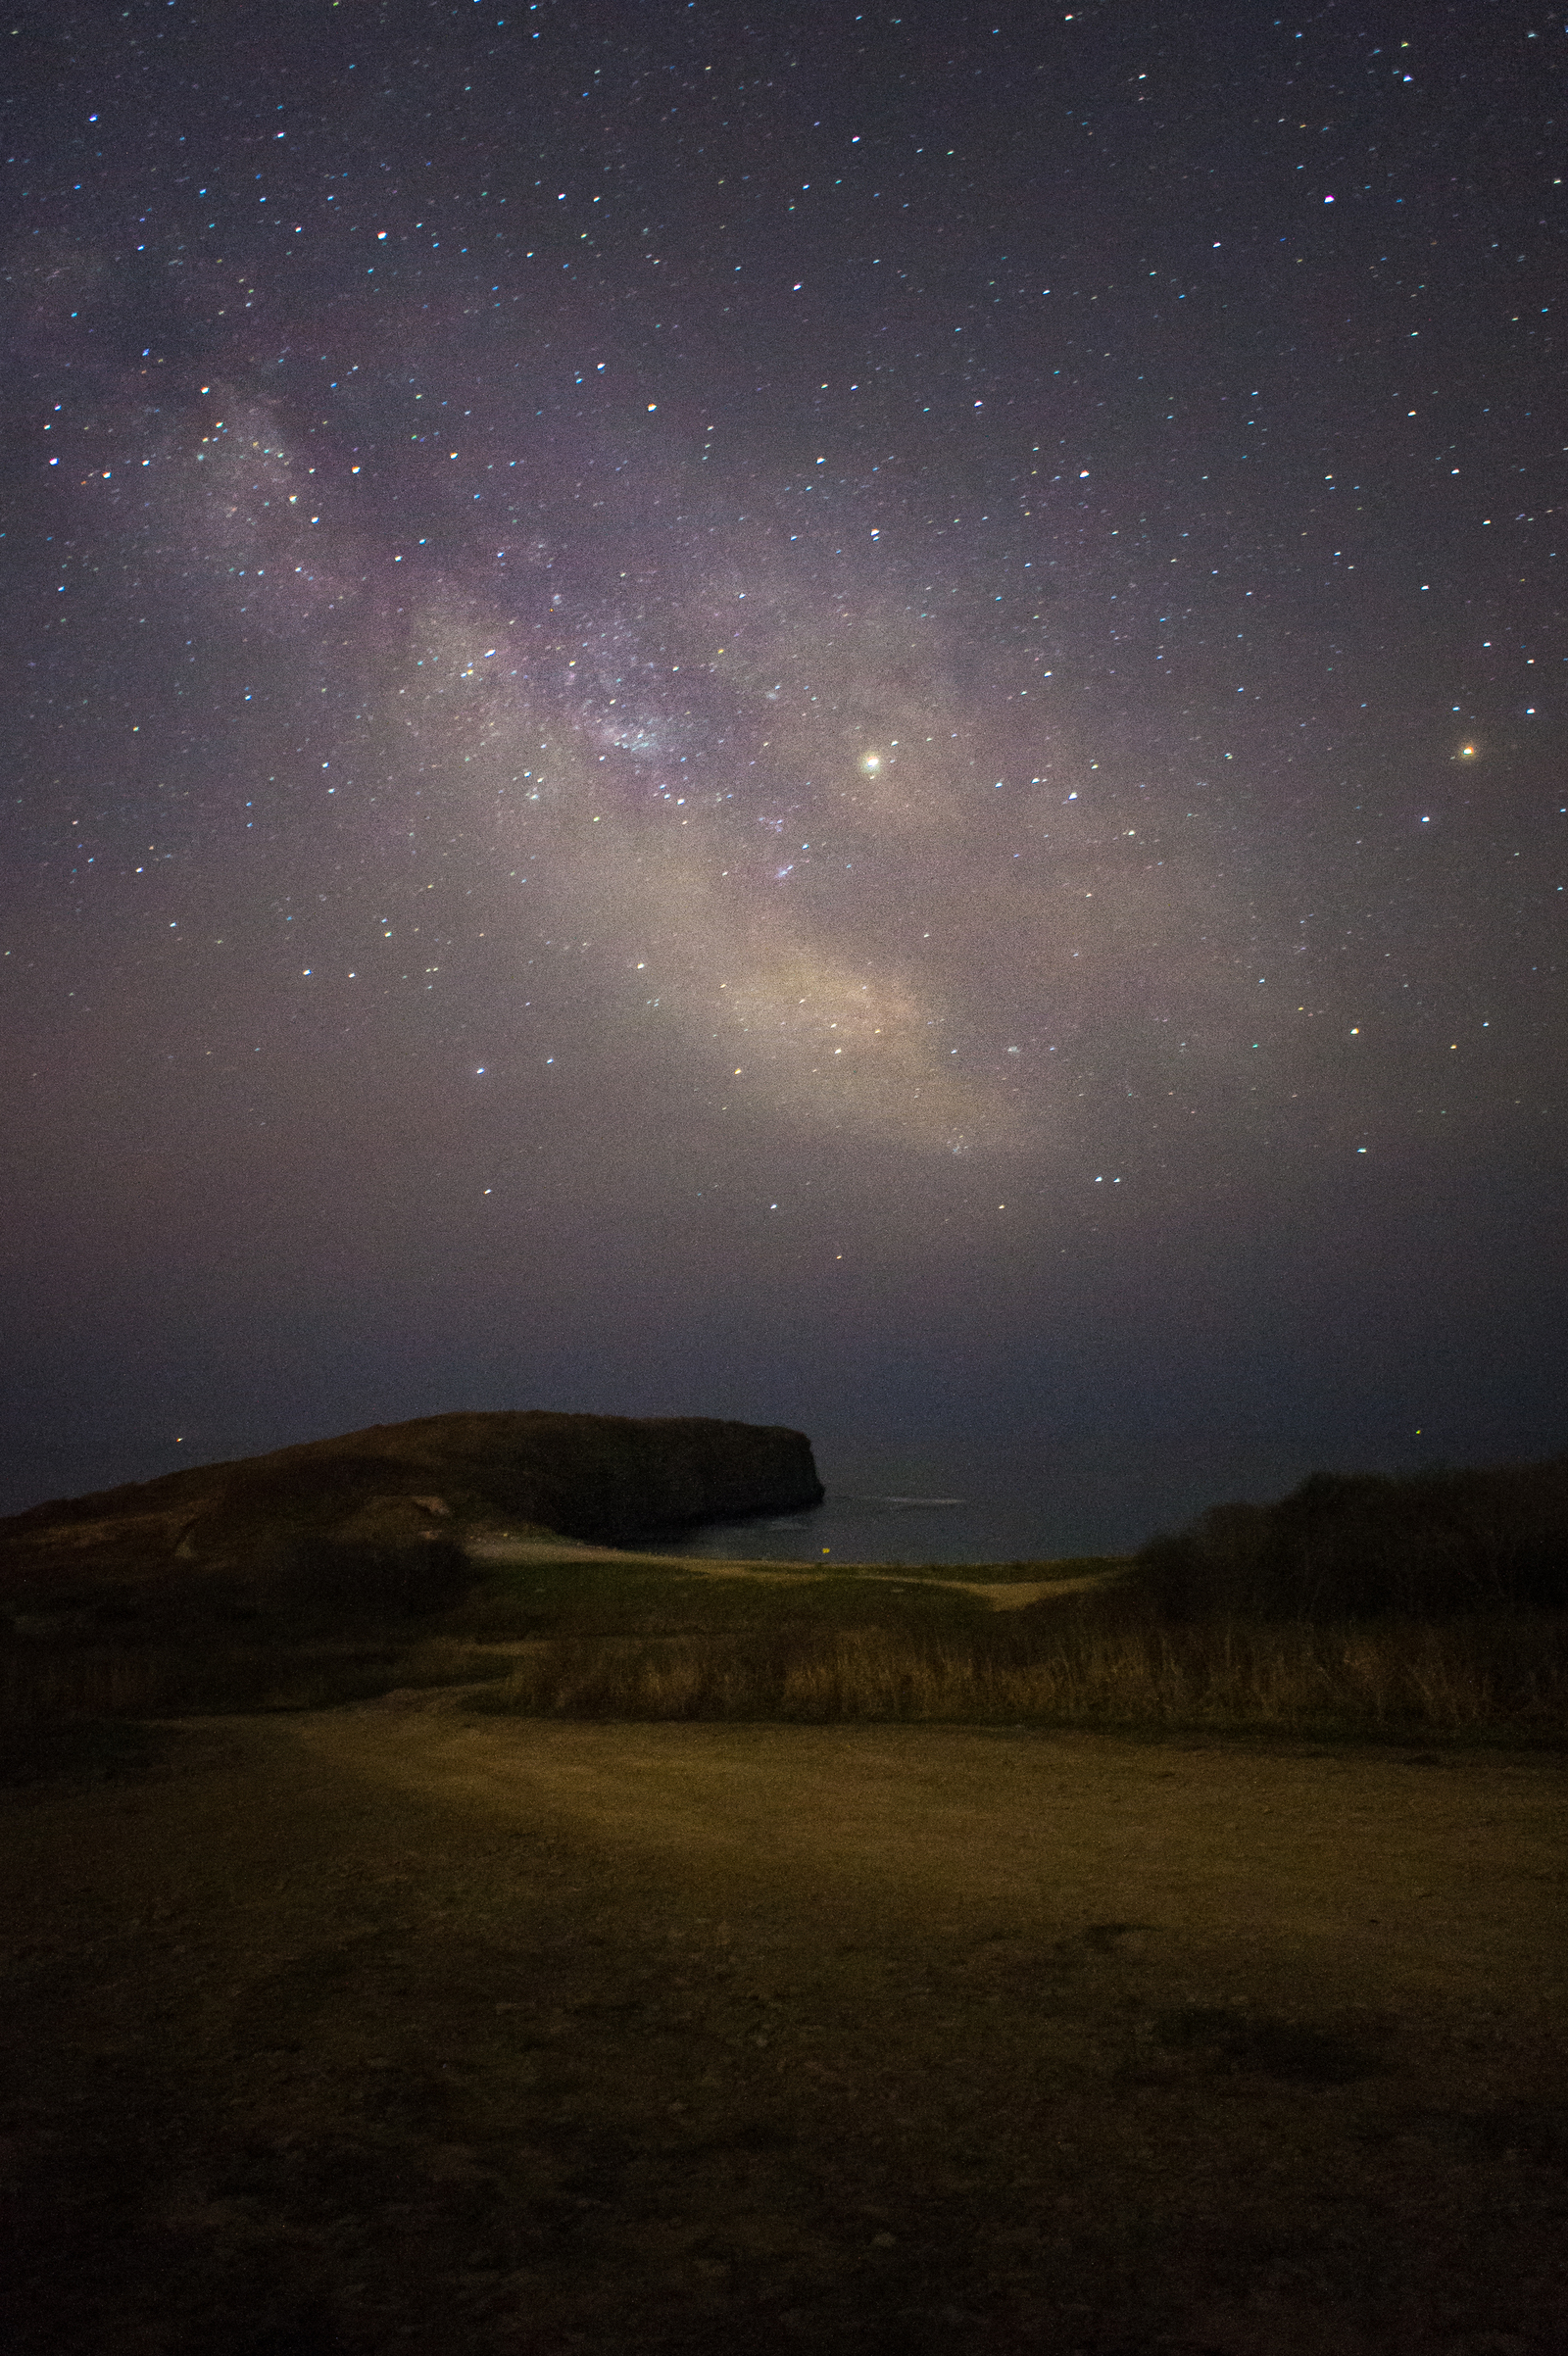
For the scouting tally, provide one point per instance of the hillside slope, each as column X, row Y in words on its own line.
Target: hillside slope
column 393, row 1504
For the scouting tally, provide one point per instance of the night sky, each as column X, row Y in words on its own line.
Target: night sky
column 848, row 717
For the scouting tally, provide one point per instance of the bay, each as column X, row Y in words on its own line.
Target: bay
column 967, row 1501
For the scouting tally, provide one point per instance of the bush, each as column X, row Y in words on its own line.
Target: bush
column 1353, row 1545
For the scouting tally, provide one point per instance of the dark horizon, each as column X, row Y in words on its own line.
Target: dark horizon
column 1019, row 1500
column 848, row 721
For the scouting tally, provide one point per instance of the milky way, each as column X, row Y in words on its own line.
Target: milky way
column 856, row 719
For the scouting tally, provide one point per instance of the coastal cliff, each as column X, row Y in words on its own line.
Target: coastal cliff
column 390, row 1507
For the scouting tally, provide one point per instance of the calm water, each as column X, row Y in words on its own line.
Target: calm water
column 856, row 1528
column 973, row 1505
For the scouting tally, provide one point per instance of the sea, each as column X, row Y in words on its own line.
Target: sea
column 854, row 1526
column 967, row 1503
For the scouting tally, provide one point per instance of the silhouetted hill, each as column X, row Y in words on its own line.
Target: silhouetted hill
column 384, row 1511
column 1350, row 1546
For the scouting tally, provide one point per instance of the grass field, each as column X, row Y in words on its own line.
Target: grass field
column 1058, row 1644
column 649, row 1957
column 592, row 1633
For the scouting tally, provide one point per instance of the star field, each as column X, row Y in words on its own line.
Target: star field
column 855, row 718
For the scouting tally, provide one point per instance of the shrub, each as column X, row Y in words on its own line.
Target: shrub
column 1350, row 1545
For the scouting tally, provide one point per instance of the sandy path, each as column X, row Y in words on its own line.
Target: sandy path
column 390, row 2028
column 1362, row 1871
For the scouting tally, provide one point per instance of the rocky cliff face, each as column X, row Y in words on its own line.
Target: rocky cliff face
column 587, row 1476
column 394, row 1502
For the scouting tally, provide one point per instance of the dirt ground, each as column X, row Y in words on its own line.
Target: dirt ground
column 388, row 2027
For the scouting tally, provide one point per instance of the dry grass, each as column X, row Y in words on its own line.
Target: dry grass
column 1073, row 1668
column 638, row 1640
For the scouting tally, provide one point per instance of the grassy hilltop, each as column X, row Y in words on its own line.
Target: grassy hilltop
column 585, row 1476
column 375, row 1524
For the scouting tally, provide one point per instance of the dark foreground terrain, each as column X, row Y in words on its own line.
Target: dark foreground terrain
column 420, row 1931
column 392, row 2026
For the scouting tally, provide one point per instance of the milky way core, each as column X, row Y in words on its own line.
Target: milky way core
column 857, row 721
